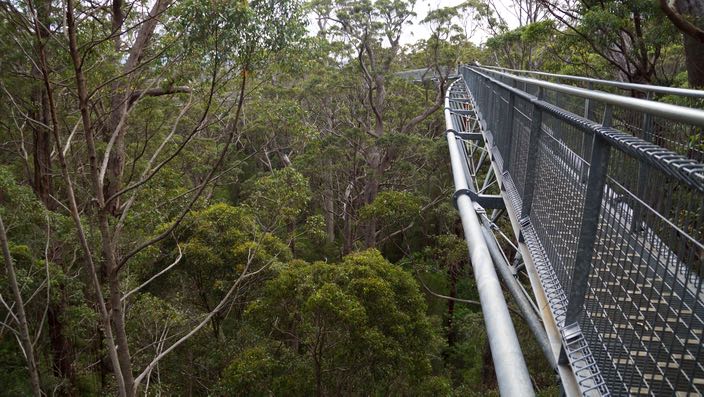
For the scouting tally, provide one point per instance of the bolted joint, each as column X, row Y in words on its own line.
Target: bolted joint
column 456, row 195
column 482, row 200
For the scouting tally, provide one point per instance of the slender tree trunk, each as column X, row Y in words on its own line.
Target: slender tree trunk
column 348, row 238
column 119, row 101
column 62, row 351
column 329, row 207
column 449, row 323
column 61, row 347
column 318, row 379
column 42, row 183
column 347, row 216
column 118, row 320
column 119, row 357
column 329, row 212
column 694, row 55
column 371, row 190
column 25, row 337
column 41, row 135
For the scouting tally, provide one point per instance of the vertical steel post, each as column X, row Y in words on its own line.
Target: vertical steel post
column 588, row 114
column 598, row 167
column 508, row 131
column 647, row 128
column 531, row 165
column 555, row 122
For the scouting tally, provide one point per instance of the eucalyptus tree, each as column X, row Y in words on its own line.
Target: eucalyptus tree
column 369, row 35
column 632, row 36
column 104, row 72
column 354, row 327
column 688, row 17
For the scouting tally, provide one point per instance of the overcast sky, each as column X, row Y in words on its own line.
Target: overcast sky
column 419, row 31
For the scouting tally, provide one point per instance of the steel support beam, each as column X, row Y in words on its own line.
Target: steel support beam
column 511, row 370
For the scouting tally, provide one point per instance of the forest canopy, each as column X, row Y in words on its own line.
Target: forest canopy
column 249, row 198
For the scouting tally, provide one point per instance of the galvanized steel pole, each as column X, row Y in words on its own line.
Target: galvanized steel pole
column 511, row 370
column 646, row 88
column 659, row 109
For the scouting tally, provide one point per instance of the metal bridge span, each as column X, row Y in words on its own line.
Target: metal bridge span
column 604, row 195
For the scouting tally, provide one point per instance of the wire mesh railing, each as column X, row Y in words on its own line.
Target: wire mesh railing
column 614, row 220
column 681, row 137
column 616, row 87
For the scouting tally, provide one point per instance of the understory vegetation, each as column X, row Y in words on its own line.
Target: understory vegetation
column 250, row 198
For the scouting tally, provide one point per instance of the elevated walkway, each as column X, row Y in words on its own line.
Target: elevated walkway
column 605, row 197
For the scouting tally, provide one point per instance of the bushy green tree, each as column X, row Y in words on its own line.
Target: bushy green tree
column 359, row 325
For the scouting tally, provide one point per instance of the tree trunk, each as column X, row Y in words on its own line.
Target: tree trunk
column 347, row 217
column 42, row 154
column 371, row 189
column 61, row 347
column 694, row 56
column 25, row 338
column 117, row 356
column 347, row 231
column 42, row 135
column 329, row 207
column 451, row 335
column 119, row 102
column 118, row 319
column 693, row 47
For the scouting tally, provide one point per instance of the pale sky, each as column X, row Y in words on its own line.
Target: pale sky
column 419, row 31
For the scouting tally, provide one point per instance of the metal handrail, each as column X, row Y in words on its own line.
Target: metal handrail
column 511, row 370
column 665, row 110
column 683, row 169
column 688, row 92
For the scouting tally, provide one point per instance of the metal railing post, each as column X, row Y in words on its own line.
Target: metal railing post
column 598, row 166
column 588, row 114
column 508, row 131
column 531, row 165
column 555, row 122
column 647, row 128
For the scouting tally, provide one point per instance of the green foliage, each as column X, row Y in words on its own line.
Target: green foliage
column 21, row 212
column 279, row 199
column 239, row 31
column 359, row 324
column 392, row 208
column 267, row 369
column 526, row 47
column 218, row 243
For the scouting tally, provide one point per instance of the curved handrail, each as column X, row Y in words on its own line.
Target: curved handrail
column 619, row 84
column 665, row 110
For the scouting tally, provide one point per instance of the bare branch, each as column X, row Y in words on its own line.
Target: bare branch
column 154, row 277
column 681, row 23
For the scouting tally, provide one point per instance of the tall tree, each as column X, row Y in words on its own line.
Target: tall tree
column 630, row 35
column 688, row 17
column 373, row 31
